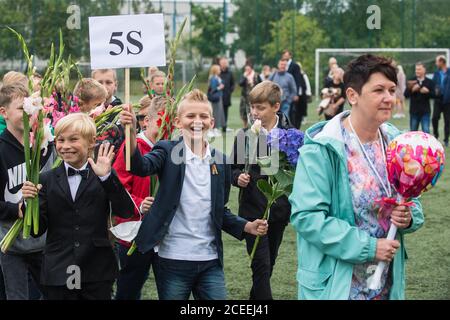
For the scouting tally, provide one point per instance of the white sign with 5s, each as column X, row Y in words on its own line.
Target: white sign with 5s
column 127, row 41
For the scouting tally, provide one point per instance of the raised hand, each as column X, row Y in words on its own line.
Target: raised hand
column 104, row 160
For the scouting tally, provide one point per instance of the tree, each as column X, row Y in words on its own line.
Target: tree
column 208, row 29
column 253, row 20
column 39, row 22
column 309, row 36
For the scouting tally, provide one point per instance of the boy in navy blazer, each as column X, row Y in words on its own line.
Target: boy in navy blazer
column 75, row 200
column 188, row 215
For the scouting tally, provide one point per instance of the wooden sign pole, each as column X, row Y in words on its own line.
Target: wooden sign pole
column 128, row 126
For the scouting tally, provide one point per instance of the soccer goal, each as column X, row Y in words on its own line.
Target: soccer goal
column 407, row 57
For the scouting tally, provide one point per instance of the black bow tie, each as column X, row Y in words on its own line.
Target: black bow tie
column 83, row 173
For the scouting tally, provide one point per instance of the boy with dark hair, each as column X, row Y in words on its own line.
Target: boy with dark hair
column 265, row 100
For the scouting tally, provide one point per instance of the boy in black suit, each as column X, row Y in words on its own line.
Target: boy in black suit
column 189, row 213
column 75, row 199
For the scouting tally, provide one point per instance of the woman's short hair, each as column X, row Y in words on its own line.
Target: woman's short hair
column 266, row 91
column 78, row 122
column 359, row 70
column 88, row 89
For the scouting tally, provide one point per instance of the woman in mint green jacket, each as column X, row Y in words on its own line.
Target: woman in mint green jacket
column 340, row 175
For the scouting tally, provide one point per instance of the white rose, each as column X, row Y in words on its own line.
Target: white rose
column 256, row 127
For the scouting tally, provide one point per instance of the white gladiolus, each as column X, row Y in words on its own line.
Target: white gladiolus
column 32, row 105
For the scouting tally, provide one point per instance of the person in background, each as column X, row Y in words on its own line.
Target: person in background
column 248, row 81
column 108, row 78
column 441, row 80
column 157, row 80
column 144, row 105
column 420, row 90
column 228, row 87
column 298, row 105
column 288, row 87
column 265, row 73
column 399, row 107
column 337, row 89
column 91, row 94
column 215, row 88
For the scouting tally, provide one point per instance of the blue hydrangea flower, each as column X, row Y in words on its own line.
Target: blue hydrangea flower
column 287, row 141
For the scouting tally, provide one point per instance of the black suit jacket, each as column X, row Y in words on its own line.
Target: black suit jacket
column 167, row 161
column 252, row 201
column 77, row 231
column 296, row 72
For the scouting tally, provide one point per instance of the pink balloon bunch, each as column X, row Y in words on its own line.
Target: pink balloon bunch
column 415, row 161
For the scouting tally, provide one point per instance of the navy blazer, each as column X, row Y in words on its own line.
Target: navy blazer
column 167, row 161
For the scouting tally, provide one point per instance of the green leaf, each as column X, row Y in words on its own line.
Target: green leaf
column 265, row 188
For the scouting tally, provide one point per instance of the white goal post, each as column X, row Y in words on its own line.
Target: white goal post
column 366, row 50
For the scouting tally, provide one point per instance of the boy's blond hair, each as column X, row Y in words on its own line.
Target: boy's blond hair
column 12, row 91
column 266, row 91
column 88, row 89
column 195, row 95
column 78, row 122
column 104, row 71
column 13, row 77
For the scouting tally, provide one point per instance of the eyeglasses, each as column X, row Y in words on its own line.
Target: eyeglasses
column 140, row 117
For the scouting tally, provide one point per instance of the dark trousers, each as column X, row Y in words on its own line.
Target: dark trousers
column 2, row 286
column 225, row 112
column 100, row 290
column 298, row 111
column 134, row 271
column 264, row 260
column 439, row 108
column 17, row 269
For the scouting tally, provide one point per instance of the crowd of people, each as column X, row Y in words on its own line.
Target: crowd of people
column 340, row 175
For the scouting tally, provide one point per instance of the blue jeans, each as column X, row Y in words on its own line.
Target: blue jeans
column 285, row 108
column 178, row 278
column 134, row 271
column 424, row 121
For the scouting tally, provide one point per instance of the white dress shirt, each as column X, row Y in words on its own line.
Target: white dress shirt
column 191, row 233
column 75, row 180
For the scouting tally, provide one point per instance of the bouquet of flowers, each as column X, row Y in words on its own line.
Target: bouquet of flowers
column 279, row 166
column 35, row 138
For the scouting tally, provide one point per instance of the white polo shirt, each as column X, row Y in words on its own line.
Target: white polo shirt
column 191, row 233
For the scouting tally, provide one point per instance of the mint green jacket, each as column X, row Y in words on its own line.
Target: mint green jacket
column 2, row 124
column 328, row 241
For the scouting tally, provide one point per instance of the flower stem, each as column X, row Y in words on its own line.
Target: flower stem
column 132, row 249
column 255, row 245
